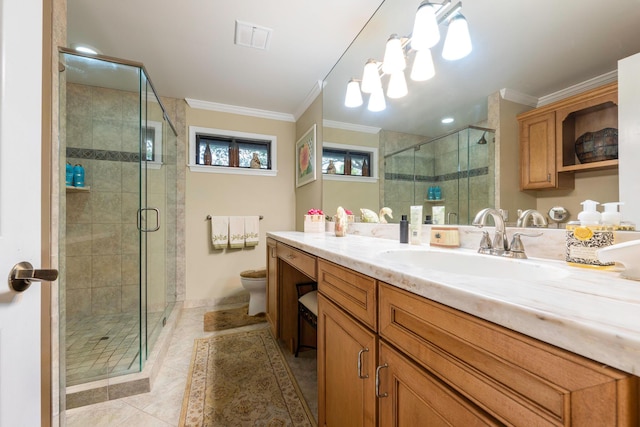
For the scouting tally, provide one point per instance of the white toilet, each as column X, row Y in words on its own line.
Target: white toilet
column 255, row 282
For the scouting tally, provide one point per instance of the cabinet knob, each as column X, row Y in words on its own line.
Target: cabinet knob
column 548, row 177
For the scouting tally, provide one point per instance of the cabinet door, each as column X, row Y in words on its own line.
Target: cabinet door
column 410, row 396
column 346, row 369
column 272, row 287
column 538, row 152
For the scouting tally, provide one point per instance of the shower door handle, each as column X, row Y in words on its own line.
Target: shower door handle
column 23, row 273
column 146, row 229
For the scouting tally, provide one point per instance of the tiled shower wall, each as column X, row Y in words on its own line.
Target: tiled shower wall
column 456, row 163
column 102, row 239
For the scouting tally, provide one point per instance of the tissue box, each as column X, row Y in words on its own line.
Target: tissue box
column 314, row 224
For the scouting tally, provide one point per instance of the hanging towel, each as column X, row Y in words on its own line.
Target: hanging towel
column 220, row 232
column 236, row 232
column 251, row 230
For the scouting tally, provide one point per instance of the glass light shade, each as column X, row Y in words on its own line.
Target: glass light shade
column 376, row 101
column 394, row 60
column 354, row 97
column 457, row 45
column 397, row 85
column 370, row 77
column 423, row 68
column 425, row 27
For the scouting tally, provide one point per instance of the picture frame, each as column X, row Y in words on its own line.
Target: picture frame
column 306, row 157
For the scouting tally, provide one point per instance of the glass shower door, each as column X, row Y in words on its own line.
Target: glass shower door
column 159, row 215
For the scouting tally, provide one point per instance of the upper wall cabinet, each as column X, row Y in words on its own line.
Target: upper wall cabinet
column 549, row 138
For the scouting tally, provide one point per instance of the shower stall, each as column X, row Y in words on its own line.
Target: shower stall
column 118, row 230
column 461, row 163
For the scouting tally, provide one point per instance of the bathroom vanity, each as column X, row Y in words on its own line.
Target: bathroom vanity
column 464, row 340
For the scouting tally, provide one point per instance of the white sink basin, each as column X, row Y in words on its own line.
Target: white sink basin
column 475, row 264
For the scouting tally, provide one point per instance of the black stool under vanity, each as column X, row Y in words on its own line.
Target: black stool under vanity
column 307, row 309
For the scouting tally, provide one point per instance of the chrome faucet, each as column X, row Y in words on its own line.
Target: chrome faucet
column 500, row 243
column 538, row 220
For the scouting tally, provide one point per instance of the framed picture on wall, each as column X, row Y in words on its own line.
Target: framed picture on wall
column 306, row 157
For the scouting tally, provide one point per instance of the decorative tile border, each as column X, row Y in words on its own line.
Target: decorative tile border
column 453, row 176
column 92, row 154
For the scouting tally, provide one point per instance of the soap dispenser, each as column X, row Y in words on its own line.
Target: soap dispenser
column 589, row 214
column 611, row 216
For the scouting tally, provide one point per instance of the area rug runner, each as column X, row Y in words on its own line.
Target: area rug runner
column 232, row 318
column 242, row 379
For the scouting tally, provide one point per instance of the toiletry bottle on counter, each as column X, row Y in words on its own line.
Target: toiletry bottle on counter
column 415, row 228
column 586, row 236
column 404, row 230
column 589, row 214
column 611, row 216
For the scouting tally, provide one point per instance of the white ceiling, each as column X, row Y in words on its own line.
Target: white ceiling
column 534, row 47
column 187, row 46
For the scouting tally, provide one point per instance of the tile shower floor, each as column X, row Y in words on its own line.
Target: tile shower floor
column 103, row 345
column 161, row 406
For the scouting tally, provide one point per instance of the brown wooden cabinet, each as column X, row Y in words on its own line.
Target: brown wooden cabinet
column 548, row 135
column 410, row 396
column 389, row 357
column 347, row 353
column 272, row 288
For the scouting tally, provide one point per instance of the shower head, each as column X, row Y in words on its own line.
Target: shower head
column 483, row 139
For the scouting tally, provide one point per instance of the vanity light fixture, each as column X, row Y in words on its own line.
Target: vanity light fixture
column 394, row 60
column 370, row 77
column 424, row 37
column 354, row 96
column 457, row 45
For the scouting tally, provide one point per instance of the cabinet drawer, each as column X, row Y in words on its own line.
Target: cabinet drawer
column 300, row 260
column 514, row 377
column 354, row 292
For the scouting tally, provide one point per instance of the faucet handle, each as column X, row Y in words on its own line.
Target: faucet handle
column 516, row 244
column 485, row 243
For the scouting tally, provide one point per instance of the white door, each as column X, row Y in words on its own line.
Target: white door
column 20, row 146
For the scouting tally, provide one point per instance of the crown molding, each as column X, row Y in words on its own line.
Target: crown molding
column 518, row 97
column 350, row 126
column 244, row 111
column 532, row 101
column 576, row 89
column 311, row 96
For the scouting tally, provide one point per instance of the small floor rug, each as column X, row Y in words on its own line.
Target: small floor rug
column 242, row 379
column 232, row 318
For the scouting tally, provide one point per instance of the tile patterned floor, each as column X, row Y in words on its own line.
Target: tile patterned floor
column 103, row 345
column 161, row 407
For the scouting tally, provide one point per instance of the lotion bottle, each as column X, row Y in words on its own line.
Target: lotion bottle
column 611, row 216
column 589, row 214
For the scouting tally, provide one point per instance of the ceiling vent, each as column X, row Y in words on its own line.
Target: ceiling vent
column 251, row 35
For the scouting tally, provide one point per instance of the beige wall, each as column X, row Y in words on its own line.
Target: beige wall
column 350, row 195
column 213, row 275
column 601, row 186
column 502, row 117
column 310, row 195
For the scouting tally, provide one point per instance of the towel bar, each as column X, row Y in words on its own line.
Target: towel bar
column 209, row 217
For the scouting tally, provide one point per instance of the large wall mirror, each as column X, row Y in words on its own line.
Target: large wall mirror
column 523, row 52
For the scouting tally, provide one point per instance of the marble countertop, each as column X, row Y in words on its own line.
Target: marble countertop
column 593, row 313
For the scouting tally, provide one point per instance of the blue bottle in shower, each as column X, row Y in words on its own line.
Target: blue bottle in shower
column 68, row 179
column 78, row 176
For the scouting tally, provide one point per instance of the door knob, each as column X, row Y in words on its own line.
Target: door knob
column 23, row 273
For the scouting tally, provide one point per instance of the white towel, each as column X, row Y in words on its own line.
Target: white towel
column 251, row 230
column 236, row 232
column 220, row 232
